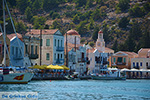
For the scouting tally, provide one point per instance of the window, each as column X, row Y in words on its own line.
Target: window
column 47, row 56
column 32, row 49
column 133, row 64
column 146, row 63
column 35, row 49
column 119, row 59
column 55, row 56
column 124, row 60
column 58, row 43
column 12, row 50
column 141, row 64
column 114, row 60
column 61, row 56
column 41, row 43
column 47, row 42
column 16, row 51
column 61, row 43
column 26, row 47
column 55, row 42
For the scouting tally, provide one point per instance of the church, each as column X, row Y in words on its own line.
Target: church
column 98, row 56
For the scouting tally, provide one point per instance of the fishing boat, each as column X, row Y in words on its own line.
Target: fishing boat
column 7, row 76
column 112, row 74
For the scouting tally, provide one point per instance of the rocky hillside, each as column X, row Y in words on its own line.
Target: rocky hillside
column 125, row 23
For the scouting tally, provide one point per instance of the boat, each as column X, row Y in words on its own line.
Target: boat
column 112, row 74
column 6, row 75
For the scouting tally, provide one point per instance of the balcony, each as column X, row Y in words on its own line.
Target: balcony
column 60, row 49
column 136, row 67
column 17, row 57
column 148, row 67
column 81, row 59
column 121, row 63
column 59, row 61
column 33, row 56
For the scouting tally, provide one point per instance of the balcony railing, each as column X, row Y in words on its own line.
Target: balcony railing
column 121, row 63
column 33, row 56
column 60, row 49
column 136, row 67
column 59, row 61
column 17, row 57
column 148, row 67
column 81, row 59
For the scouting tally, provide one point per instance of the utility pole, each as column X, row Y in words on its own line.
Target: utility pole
column 40, row 46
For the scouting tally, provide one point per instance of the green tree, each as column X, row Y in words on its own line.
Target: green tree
column 50, row 4
column 123, row 4
column 101, row 2
column 123, row 22
column 22, row 5
column 96, row 14
column 136, row 11
column 146, row 39
column 91, row 44
column 95, row 33
column 91, row 24
column 76, row 19
column 20, row 27
column 36, row 5
column 82, row 28
column 89, row 3
column 115, row 46
column 80, row 3
column 56, row 25
column 130, row 43
column 28, row 14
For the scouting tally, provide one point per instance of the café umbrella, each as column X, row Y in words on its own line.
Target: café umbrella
column 54, row 67
column 65, row 68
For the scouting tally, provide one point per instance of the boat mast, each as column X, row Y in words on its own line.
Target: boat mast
column 4, row 33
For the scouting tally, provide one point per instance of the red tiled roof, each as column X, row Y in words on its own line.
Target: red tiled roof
column 72, row 32
column 100, row 32
column 10, row 36
column 44, row 31
column 129, row 53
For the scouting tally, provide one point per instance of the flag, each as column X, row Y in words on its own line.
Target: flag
column 19, row 77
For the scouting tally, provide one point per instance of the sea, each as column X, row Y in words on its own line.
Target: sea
column 84, row 89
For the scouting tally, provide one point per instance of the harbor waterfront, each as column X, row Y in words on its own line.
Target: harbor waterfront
column 84, row 90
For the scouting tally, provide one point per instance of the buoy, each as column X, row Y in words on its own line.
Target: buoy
column 50, row 80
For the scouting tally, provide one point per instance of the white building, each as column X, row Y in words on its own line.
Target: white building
column 98, row 56
column 76, row 52
column 77, row 60
column 141, row 63
column 52, row 45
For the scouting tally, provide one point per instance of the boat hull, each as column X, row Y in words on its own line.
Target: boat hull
column 16, row 78
column 107, row 78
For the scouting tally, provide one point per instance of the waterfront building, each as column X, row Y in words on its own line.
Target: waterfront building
column 98, row 56
column 122, row 59
column 52, row 45
column 76, row 52
column 32, row 46
column 77, row 59
column 141, row 63
column 2, row 50
column 71, row 35
column 17, row 50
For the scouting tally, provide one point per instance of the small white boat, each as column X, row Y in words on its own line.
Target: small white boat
column 113, row 74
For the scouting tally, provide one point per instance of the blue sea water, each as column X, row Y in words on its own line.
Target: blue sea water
column 84, row 89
